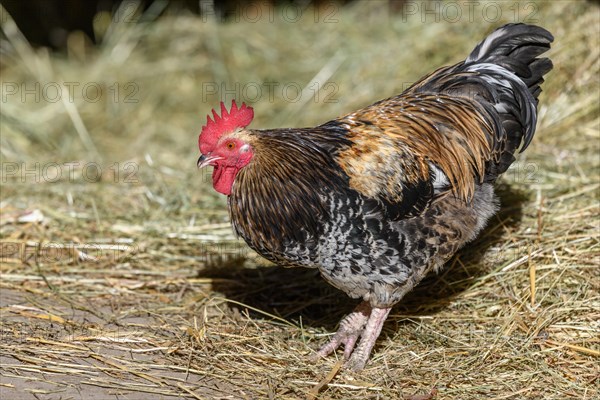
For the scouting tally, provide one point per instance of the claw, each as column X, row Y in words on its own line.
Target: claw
column 348, row 332
column 364, row 321
column 369, row 335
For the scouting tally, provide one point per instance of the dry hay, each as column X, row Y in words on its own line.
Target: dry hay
column 126, row 281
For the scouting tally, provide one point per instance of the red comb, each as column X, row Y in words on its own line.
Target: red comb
column 227, row 122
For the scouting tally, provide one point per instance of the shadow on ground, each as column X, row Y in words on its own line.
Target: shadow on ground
column 295, row 293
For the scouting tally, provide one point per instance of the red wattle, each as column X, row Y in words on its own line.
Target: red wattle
column 223, row 178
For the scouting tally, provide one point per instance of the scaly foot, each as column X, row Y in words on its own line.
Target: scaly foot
column 369, row 335
column 350, row 329
column 364, row 321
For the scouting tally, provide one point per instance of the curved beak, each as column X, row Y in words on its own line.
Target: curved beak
column 206, row 159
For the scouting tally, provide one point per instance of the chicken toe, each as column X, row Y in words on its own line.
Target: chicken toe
column 370, row 333
column 351, row 327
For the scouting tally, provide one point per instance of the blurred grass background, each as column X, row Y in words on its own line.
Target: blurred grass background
column 120, row 273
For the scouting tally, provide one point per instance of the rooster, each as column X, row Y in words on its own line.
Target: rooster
column 378, row 198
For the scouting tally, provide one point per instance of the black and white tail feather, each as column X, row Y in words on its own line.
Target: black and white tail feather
column 503, row 71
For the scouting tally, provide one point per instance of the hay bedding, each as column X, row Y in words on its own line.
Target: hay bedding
column 121, row 278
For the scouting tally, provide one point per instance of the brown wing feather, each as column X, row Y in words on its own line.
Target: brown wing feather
column 393, row 142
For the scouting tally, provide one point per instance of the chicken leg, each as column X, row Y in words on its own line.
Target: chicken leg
column 365, row 321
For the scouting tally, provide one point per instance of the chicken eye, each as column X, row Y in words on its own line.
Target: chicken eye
column 231, row 145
